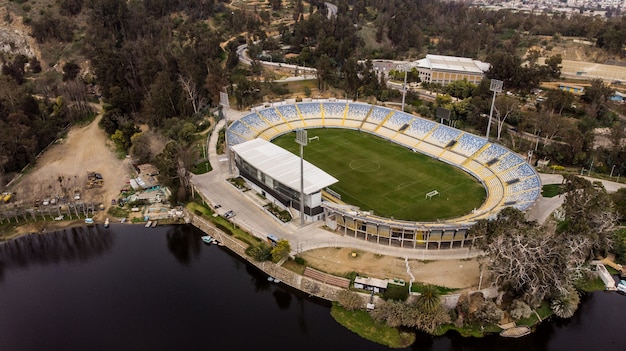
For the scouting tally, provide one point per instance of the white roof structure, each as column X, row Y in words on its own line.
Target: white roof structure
column 453, row 63
column 282, row 165
column 379, row 283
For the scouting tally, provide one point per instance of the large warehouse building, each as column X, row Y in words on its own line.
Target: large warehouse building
column 275, row 173
column 446, row 69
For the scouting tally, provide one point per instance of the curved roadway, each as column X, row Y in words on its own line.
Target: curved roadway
column 242, row 53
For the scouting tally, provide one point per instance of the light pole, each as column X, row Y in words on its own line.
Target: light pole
column 496, row 87
column 612, row 169
column 301, row 138
column 406, row 68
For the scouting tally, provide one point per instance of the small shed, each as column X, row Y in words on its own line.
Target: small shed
column 371, row 284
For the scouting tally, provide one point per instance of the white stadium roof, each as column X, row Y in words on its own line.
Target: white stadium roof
column 282, row 165
column 452, row 63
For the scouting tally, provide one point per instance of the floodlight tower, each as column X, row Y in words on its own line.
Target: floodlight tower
column 225, row 104
column 406, row 67
column 301, row 138
column 496, row 87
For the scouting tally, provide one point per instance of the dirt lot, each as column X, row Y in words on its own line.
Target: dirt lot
column 63, row 168
column 460, row 274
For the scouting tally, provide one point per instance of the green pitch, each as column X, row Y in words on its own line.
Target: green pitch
column 375, row 174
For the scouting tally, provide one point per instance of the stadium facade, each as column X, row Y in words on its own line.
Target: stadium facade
column 509, row 181
column 275, row 173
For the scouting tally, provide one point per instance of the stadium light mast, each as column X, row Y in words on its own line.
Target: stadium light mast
column 301, row 138
column 224, row 104
column 406, row 68
column 496, row 87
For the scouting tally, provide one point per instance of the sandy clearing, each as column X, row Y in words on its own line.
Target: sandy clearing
column 63, row 168
column 460, row 274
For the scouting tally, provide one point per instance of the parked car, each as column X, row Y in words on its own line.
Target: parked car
column 229, row 214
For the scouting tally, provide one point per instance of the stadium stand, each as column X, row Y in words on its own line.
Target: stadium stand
column 358, row 111
column 272, row 117
column 420, row 127
column 469, row 144
column 289, row 112
column 507, row 178
column 397, row 120
column 379, row 114
column 253, row 120
column 506, row 162
column 334, row 109
column 442, row 135
column 528, row 183
column 310, row 109
column 494, row 151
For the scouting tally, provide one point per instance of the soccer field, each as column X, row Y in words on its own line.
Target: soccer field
column 375, row 174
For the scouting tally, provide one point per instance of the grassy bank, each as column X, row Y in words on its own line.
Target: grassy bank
column 361, row 323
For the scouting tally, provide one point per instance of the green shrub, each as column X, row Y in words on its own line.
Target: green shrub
column 396, row 292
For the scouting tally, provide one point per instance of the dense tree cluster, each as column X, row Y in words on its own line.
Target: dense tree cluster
column 539, row 263
column 426, row 313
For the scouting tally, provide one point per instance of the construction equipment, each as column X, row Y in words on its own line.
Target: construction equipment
column 94, row 180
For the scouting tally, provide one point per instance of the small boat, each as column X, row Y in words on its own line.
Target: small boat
column 89, row 221
column 106, row 223
column 276, row 280
column 621, row 286
column 154, row 224
column 207, row 239
column 148, row 224
column 270, row 279
column 515, row 332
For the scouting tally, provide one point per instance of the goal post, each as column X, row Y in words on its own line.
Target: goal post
column 430, row 194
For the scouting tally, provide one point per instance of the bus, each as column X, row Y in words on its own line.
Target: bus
column 272, row 239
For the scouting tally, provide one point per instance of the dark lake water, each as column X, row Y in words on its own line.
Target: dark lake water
column 132, row 288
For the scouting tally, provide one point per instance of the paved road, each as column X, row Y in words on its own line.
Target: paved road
column 545, row 206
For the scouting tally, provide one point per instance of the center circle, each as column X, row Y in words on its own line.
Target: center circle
column 364, row 165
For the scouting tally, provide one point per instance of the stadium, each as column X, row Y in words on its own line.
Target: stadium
column 507, row 179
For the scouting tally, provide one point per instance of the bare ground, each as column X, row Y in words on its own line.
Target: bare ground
column 458, row 274
column 63, row 168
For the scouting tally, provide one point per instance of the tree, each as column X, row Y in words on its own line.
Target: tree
column 590, row 219
column 504, row 107
column 350, row 300
column 553, row 65
column 558, row 100
column 597, row 95
column 566, row 305
column 429, row 299
column 276, row 4
column 140, row 149
column 190, row 89
column 522, row 258
column 519, row 309
column 281, row 250
column 260, row 253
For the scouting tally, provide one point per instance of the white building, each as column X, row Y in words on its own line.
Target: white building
column 275, row 173
column 446, row 69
